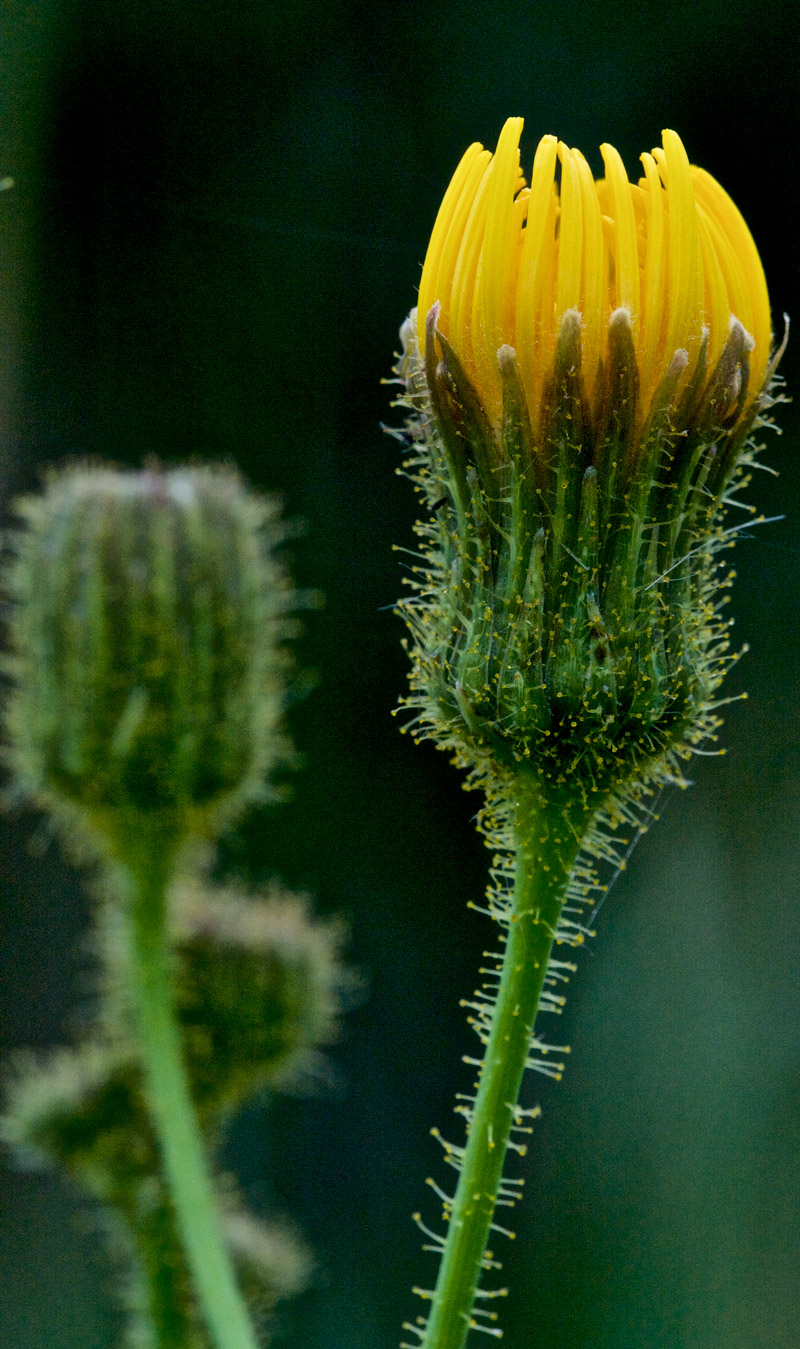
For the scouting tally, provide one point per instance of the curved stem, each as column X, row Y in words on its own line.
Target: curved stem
column 185, row 1167
column 548, row 837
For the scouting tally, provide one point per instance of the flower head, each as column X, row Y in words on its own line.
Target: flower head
column 507, row 261
column 583, row 373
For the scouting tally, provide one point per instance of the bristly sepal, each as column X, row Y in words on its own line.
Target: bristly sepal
column 567, row 615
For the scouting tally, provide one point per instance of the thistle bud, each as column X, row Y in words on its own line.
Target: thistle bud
column 146, row 625
column 260, row 986
column 583, row 376
column 85, row 1109
column 259, row 989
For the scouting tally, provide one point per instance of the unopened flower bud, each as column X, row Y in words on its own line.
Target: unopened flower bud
column 145, row 631
column 583, row 374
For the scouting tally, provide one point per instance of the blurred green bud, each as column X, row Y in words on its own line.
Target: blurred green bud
column 85, row 1108
column 258, row 989
column 147, row 618
column 258, row 985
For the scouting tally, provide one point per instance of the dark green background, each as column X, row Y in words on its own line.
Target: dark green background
column 218, row 222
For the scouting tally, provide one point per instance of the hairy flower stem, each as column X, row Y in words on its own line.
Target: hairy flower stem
column 185, row 1167
column 548, row 835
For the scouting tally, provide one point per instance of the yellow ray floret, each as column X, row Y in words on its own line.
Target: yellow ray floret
column 506, row 261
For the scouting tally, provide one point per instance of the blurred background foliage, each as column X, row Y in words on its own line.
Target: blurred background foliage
column 217, row 227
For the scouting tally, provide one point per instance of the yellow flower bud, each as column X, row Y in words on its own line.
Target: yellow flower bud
column 583, row 372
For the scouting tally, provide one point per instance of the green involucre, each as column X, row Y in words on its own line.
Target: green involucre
column 147, row 620
column 567, row 602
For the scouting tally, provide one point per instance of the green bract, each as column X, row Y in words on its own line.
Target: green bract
column 566, row 613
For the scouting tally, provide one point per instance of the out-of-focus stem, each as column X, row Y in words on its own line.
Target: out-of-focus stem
column 548, row 837
column 186, row 1169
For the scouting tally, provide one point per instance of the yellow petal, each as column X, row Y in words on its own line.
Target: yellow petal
column 429, row 283
column 626, row 284
column 462, row 296
column 717, row 305
column 685, row 287
column 594, row 302
column 498, row 253
column 655, row 280
column 731, row 222
column 452, row 245
column 535, row 269
column 570, row 240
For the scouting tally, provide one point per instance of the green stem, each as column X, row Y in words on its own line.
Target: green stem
column 165, row 1291
column 185, row 1167
column 548, row 837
